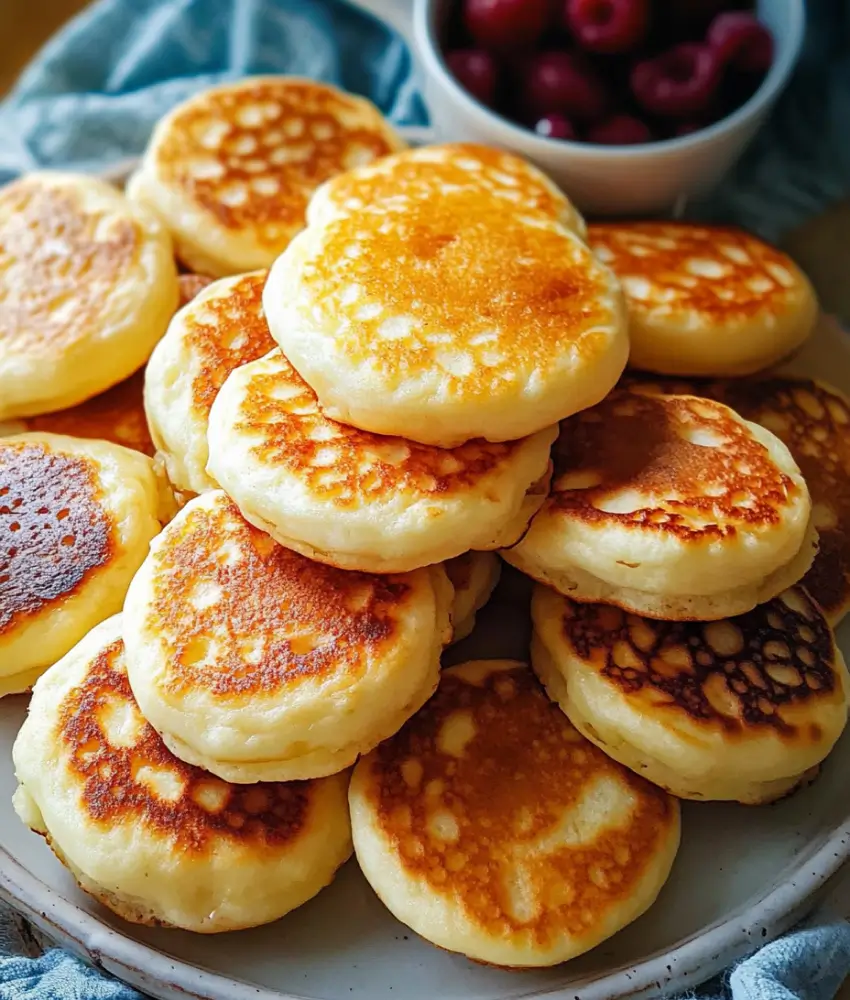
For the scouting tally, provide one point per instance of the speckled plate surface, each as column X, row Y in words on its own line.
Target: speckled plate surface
column 743, row 876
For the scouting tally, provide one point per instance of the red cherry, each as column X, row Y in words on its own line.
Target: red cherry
column 742, row 40
column 562, row 83
column 680, row 82
column 620, row 130
column 506, row 24
column 608, row 26
column 475, row 71
column 555, row 127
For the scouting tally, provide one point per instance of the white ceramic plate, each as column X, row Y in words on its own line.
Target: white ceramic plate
column 743, row 876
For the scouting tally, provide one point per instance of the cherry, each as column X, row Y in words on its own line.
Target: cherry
column 562, row 83
column 608, row 26
column 620, row 130
column 555, row 127
column 506, row 24
column 476, row 71
column 680, row 82
column 740, row 39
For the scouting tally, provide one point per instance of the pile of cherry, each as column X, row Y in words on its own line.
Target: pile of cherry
column 615, row 72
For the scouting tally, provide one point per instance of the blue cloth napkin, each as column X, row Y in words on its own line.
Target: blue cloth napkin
column 91, row 98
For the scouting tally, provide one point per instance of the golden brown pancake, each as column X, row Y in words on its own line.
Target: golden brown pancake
column 442, row 313
column 231, row 170
column 191, row 285
column 736, row 709
column 253, row 661
column 492, row 828
column 813, row 419
column 669, row 506
column 76, row 518
column 222, row 329
column 705, row 300
column 87, row 286
column 363, row 501
column 152, row 838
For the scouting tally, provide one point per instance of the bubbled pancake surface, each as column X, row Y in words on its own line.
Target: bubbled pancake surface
column 667, row 494
column 491, row 827
column 198, row 852
column 705, row 300
column 86, row 287
column 229, row 631
column 813, row 419
column 360, row 500
column 442, row 314
column 222, row 328
column 245, row 158
column 56, row 529
column 752, row 699
column 456, row 167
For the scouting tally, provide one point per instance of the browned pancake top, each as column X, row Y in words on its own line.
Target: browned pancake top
column 128, row 775
column 674, row 465
column 813, row 419
column 460, row 167
column 460, row 286
column 225, row 332
column 343, row 465
column 676, row 268
column 241, row 615
column 59, row 263
column 117, row 415
column 741, row 674
column 54, row 529
column 252, row 155
column 475, row 791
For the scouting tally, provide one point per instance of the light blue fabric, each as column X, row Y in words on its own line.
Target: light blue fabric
column 90, row 99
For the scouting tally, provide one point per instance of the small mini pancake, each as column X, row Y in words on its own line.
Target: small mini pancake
column 463, row 168
column 705, row 300
column 813, row 419
column 441, row 313
column 672, row 507
column 492, row 828
column 222, row 328
column 474, row 576
column 76, row 518
column 363, row 501
column 117, row 415
column 231, row 170
column 87, row 287
column 741, row 709
column 156, row 840
column 260, row 665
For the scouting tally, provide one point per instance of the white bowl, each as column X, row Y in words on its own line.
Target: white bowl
column 601, row 180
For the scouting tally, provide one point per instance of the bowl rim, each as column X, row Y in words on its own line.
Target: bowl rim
column 433, row 60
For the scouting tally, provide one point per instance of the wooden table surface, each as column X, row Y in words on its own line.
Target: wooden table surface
column 821, row 247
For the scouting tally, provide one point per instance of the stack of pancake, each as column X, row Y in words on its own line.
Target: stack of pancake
column 395, row 369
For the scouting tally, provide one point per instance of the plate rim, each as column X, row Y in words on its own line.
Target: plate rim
column 691, row 962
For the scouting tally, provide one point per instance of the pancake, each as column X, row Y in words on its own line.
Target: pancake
column 813, row 420
column 492, row 828
column 474, row 576
column 463, row 168
column 741, row 709
column 222, row 328
column 363, row 501
column 439, row 312
column 76, row 518
column 87, row 287
column 705, row 300
column 117, row 415
column 231, row 170
column 260, row 665
column 156, row 840
column 671, row 507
